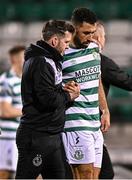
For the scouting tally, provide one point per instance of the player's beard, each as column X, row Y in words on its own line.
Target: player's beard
column 78, row 43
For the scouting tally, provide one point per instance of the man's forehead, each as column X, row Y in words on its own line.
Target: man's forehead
column 87, row 26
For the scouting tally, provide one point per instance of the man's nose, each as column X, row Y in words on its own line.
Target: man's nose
column 91, row 35
column 67, row 46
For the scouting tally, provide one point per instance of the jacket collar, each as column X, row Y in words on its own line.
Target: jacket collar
column 50, row 50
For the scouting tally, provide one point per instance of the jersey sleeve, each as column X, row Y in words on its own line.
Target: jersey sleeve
column 5, row 91
column 96, row 52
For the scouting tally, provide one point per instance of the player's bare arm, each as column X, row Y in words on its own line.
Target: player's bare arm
column 9, row 111
column 105, row 117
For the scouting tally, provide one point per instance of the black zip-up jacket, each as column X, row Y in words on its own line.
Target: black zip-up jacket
column 43, row 98
column 112, row 75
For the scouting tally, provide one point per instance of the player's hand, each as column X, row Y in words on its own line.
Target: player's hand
column 105, row 121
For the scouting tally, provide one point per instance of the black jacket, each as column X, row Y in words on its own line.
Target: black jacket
column 43, row 98
column 113, row 75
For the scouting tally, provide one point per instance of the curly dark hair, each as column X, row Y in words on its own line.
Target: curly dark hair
column 81, row 15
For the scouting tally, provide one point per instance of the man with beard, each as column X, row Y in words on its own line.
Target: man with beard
column 44, row 101
column 83, row 138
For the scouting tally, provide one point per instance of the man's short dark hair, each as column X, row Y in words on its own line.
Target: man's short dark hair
column 58, row 27
column 81, row 15
column 16, row 49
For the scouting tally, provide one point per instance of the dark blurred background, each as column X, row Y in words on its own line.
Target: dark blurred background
column 21, row 22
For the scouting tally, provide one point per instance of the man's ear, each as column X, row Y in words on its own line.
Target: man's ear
column 54, row 41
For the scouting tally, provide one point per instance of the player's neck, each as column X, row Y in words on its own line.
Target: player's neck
column 17, row 70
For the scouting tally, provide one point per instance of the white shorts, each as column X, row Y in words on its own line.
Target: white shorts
column 8, row 155
column 84, row 147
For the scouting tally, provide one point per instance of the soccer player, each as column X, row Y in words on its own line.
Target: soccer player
column 83, row 138
column 111, row 74
column 10, row 107
column 44, row 101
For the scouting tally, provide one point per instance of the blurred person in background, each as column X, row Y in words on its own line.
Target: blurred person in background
column 111, row 74
column 83, row 139
column 44, row 101
column 10, row 112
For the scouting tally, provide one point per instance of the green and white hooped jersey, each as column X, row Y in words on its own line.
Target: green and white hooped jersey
column 10, row 91
column 83, row 66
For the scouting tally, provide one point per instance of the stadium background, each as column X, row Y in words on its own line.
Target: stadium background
column 21, row 22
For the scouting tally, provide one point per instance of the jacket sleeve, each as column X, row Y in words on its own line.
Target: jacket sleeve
column 114, row 75
column 48, row 96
